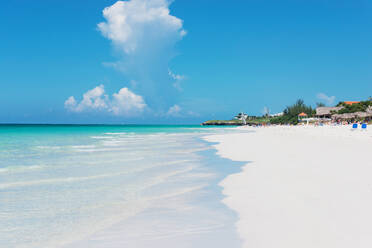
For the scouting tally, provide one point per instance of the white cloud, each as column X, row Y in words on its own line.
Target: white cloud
column 177, row 111
column 70, row 103
column 174, row 110
column 327, row 99
column 143, row 34
column 126, row 103
column 129, row 24
column 93, row 99
column 192, row 114
column 123, row 103
column 177, row 80
column 175, row 76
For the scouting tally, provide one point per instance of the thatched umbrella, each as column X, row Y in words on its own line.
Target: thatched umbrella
column 363, row 114
column 346, row 116
column 369, row 110
column 349, row 116
column 336, row 117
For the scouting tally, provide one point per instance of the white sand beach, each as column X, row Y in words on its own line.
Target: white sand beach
column 302, row 186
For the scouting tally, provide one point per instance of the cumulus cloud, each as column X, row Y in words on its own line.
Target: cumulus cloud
column 93, row 99
column 70, row 103
column 126, row 103
column 123, row 103
column 129, row 24
column 143, row 34
column 327, row 99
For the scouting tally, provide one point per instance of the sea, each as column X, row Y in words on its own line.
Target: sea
column 111, row 186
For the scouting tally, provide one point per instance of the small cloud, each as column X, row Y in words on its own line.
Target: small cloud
column 327, row 99
column 177, row 80
column 177, row 111
column 177, row 86
column 175, row 76
column 183, row 32
column 123, row 103
column 70, row 103
column 133, row 84
column 192, row 114
column 174, row 110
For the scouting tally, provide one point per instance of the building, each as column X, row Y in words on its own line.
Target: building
column 277, row 115
column 326, row 112
column 351, row 102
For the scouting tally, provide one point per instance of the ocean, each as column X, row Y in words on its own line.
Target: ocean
column 113, row 186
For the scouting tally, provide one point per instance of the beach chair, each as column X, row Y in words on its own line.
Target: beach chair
column 364, row 126
column 355, row 126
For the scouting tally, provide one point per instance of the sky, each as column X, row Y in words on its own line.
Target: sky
column 178, row 62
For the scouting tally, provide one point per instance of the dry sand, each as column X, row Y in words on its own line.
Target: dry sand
column 302, row 186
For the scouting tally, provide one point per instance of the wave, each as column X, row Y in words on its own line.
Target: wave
column 48, row 147
column 94, row 177
column 55, row 180
column 100, row 137
column 83, row 146
column 20, row 169
column 117, row 133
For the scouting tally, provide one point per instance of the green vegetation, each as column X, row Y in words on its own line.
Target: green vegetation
column 356, row 107
column 320, row 104
column 256, row 120
column 290, row 114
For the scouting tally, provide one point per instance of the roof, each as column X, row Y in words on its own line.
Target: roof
column 363, row 114
column 326, row 110
column 302, row 114
column 369, row 109
column 352, row 115
column 277, row 114
column 351, row 102
column 344, row 116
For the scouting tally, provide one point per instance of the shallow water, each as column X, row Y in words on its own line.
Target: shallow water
column 112, row 186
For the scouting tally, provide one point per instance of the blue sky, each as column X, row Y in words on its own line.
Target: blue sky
column 202, row 60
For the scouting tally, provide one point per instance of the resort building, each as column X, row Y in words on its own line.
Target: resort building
column 326, row 112
column 351, row 102
column 277, row 114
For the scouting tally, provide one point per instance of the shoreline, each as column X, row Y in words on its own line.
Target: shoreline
column 114, row 187
column 302, row 186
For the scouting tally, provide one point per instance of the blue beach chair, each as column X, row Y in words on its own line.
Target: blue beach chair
column 355, row 126
column 364, row 126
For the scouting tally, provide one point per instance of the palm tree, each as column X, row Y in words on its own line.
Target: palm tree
column 320, row 104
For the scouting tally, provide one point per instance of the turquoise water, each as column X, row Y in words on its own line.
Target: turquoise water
column 112, row 186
